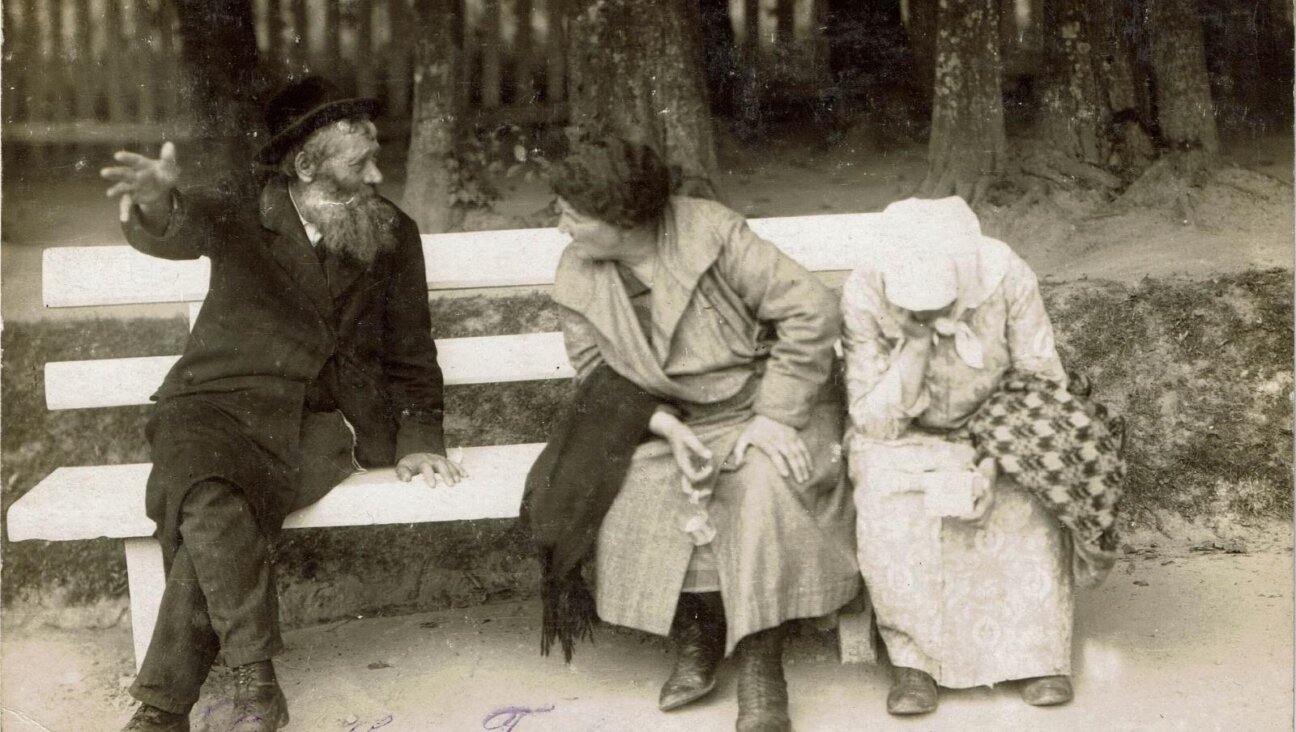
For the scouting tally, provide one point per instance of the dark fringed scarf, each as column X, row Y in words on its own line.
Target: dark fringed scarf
column 569, row 490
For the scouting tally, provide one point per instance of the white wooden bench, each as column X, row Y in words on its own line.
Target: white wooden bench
column 87, row 502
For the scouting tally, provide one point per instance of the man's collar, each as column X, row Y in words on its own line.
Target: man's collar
column 312, row 234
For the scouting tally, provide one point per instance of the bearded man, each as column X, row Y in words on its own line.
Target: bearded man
column 311, row 358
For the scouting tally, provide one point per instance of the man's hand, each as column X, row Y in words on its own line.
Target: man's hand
column 430, row 466
column 780, row 442
column 145, row 182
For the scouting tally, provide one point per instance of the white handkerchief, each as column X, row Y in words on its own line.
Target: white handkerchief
column 966, row 344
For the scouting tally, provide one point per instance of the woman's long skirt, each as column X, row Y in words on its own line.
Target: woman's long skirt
column 783, row 550
column 970, row 606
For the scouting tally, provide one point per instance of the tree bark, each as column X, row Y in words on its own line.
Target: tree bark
column 1185, row 112
column 750, row 85
column 968, row 143
column 921, row 41
column 431, row 166
column 492, row 68
column 718, row 54
column 523, row 75
column 1075, row 120
column 224, row 79
column 636, row 72
column 867, row 46
column 1114, row 31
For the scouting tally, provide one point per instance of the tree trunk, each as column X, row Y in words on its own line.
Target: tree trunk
column 556, row 52
column 636, row 72
column 921, row 41
column 431, row 166
column 223, row 74
column 750, row 83
column 1074, row 116
column 1183, row 98
column 492, row 68
column 785, row 26
column 1114, row 30
column 718, row 55
column 523, row 76
column 868, row 54
column 967, row 144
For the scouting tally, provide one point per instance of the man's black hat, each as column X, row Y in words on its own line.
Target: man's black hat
column 303, row 107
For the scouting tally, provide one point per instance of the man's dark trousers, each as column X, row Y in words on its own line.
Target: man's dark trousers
column 220, row 596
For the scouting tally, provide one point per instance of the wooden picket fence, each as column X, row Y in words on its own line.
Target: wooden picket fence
column 103, row 71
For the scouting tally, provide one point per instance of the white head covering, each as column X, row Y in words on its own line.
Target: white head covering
column 918, row 278
column 932, row 255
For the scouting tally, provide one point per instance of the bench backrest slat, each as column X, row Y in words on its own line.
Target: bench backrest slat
column 119, row 275
column 120, row 382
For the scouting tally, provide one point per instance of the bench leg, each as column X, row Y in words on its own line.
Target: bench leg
column 147, row 579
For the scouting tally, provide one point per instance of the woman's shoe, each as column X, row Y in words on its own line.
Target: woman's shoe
column 912, row 692
column 1047, row 691
column 762, row 690
column 699, row 633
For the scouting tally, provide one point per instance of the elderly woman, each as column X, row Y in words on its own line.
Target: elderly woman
column 969, row 575
column 708, row 541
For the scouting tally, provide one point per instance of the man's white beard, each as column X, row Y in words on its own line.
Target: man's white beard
column 357, row 224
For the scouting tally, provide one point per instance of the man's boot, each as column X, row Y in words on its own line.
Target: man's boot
column 699, row 634
column 762, row 690
column 259, row 703
column 148, row 718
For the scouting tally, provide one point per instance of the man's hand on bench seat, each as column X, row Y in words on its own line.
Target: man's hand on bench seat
column 430, row 466
column 146, row 182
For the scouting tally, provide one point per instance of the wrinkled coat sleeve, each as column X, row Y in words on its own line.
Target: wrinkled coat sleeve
column 805, row 315
column 191, row 229
column 1030, row 333
column 578, row 338
column 873, row 388
column 412, row 377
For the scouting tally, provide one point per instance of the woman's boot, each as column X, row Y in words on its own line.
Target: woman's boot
column 699, row 634
column 912, row 692
column 762, row 690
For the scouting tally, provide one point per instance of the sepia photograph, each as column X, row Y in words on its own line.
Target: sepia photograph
column 663, row 365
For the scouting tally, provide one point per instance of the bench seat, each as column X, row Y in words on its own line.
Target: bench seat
column 108, row 498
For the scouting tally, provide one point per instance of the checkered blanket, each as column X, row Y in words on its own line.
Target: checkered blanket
column 1067, row 451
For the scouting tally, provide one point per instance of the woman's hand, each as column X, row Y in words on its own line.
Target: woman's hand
column 692, row 457
column 981, row 504
column 780, row 442
column 916, row 330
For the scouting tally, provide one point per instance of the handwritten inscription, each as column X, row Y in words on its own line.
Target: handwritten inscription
column 508, row 718
column 379, row 724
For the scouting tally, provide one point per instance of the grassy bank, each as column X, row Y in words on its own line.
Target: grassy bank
column 1202, row 369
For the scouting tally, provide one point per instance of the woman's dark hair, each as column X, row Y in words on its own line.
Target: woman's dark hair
column 622, row 183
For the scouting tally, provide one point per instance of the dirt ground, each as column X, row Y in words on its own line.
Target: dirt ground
column 1182, row 636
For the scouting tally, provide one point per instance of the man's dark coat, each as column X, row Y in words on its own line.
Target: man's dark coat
column 276, row 326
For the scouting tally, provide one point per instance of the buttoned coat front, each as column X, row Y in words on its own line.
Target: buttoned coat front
column 275, row 323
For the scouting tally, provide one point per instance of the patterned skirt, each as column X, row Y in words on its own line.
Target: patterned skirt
column 970, row 605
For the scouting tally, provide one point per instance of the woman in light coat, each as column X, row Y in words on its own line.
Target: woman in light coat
column 711, row 542
column 969, row 575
